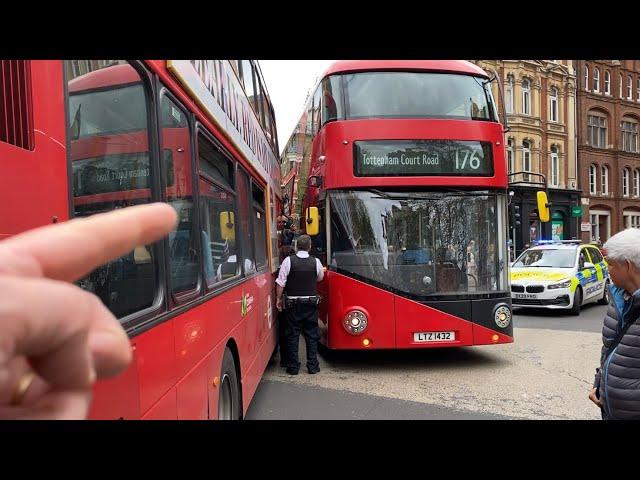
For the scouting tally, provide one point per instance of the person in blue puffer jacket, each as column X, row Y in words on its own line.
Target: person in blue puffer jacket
column 616, row 389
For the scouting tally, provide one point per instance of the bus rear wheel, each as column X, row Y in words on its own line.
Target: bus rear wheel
column 229, row 400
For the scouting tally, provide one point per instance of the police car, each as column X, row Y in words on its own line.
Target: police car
column 559, row 275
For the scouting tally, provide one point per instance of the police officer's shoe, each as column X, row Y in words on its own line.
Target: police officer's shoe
column 291, row 371
column 313, row 370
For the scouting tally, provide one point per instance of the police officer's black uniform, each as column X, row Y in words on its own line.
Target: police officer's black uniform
column 301, row 304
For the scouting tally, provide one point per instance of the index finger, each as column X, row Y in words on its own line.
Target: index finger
column 68, row 251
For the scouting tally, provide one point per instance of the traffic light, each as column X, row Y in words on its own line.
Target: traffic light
column 514, row 215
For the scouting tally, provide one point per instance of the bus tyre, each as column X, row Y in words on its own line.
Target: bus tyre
column 605, row 295
column 577, row 301
column 229, row 399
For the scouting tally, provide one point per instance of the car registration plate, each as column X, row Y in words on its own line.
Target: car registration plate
column 425, row 337
column 525, row 295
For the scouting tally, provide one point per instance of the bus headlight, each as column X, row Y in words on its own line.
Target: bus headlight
column 565, row 284
column 502, row 316
column 355, row 322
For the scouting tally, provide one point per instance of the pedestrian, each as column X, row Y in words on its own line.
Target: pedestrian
column 616, row 388
column 290, row 235
column 297, row 296
column 56, row 339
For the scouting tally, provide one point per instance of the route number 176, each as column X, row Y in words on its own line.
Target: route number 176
column 468, row 158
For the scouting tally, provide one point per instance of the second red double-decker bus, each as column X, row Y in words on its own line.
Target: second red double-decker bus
column 397, row 168
column 89, row 136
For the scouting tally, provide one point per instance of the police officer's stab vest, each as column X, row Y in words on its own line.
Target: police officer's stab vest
column 302, row 277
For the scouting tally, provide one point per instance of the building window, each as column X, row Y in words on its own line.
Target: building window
column 636, row 183
column 625, row 182
column 607, row 82
column 509, row 94
column 526, row 97
column 586, row 77
column 555, row 167
column 596, row 80
column 510, row 155
column 631, row 219
column 629, row 87
column 554, row 104
column 629, row 135
column 597, row 131
column 605, row 180
column 526, row 159
column 593, row 170
column 638, row 89
column 620, row 85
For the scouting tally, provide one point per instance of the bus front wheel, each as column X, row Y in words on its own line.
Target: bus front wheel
column 229, row 400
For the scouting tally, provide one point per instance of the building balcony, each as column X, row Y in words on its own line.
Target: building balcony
column 554, row 127
column 516, row 120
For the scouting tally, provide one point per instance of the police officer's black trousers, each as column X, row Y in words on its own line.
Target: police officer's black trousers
column 282, row 337
column 302, row 317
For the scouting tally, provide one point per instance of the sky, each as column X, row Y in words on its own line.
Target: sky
column 288, row 83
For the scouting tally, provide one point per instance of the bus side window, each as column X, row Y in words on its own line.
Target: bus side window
column 219, row 212
column 316, row 109
column 259, row 226
column 219, row 233
column 244, row 210
column 331, row 100
column 183, row 241
column 110, row 169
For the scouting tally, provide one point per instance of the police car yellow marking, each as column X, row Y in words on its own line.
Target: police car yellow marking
column 599, row 271
column 537, row 275
column 574, row 284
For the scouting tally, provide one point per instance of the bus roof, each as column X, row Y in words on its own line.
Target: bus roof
column 454, row 66
column 123, row 74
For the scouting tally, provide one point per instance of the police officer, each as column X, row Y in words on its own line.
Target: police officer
column 297, row 280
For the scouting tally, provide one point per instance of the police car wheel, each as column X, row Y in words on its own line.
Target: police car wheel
column 577, row 301
column 605, row 295
column 229, row 398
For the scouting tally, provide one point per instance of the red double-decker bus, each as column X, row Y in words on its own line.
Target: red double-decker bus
column 89, row 136
column 398, row 170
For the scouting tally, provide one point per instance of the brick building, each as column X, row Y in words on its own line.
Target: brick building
column 540, row 101
column 608, row 116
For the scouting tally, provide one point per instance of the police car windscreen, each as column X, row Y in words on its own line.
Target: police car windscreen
column 555, row 258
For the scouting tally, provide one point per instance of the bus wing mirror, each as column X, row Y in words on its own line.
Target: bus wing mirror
column 543, row 206
column 313, row 221
column 227, row 225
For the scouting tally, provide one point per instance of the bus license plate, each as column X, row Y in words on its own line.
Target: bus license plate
column 525, row 295
column 422, row 337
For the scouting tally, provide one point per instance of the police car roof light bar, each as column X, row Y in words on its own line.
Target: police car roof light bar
column 561, row 242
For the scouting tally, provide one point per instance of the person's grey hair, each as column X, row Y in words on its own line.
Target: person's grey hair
column 304, row 243
column 624, row 245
